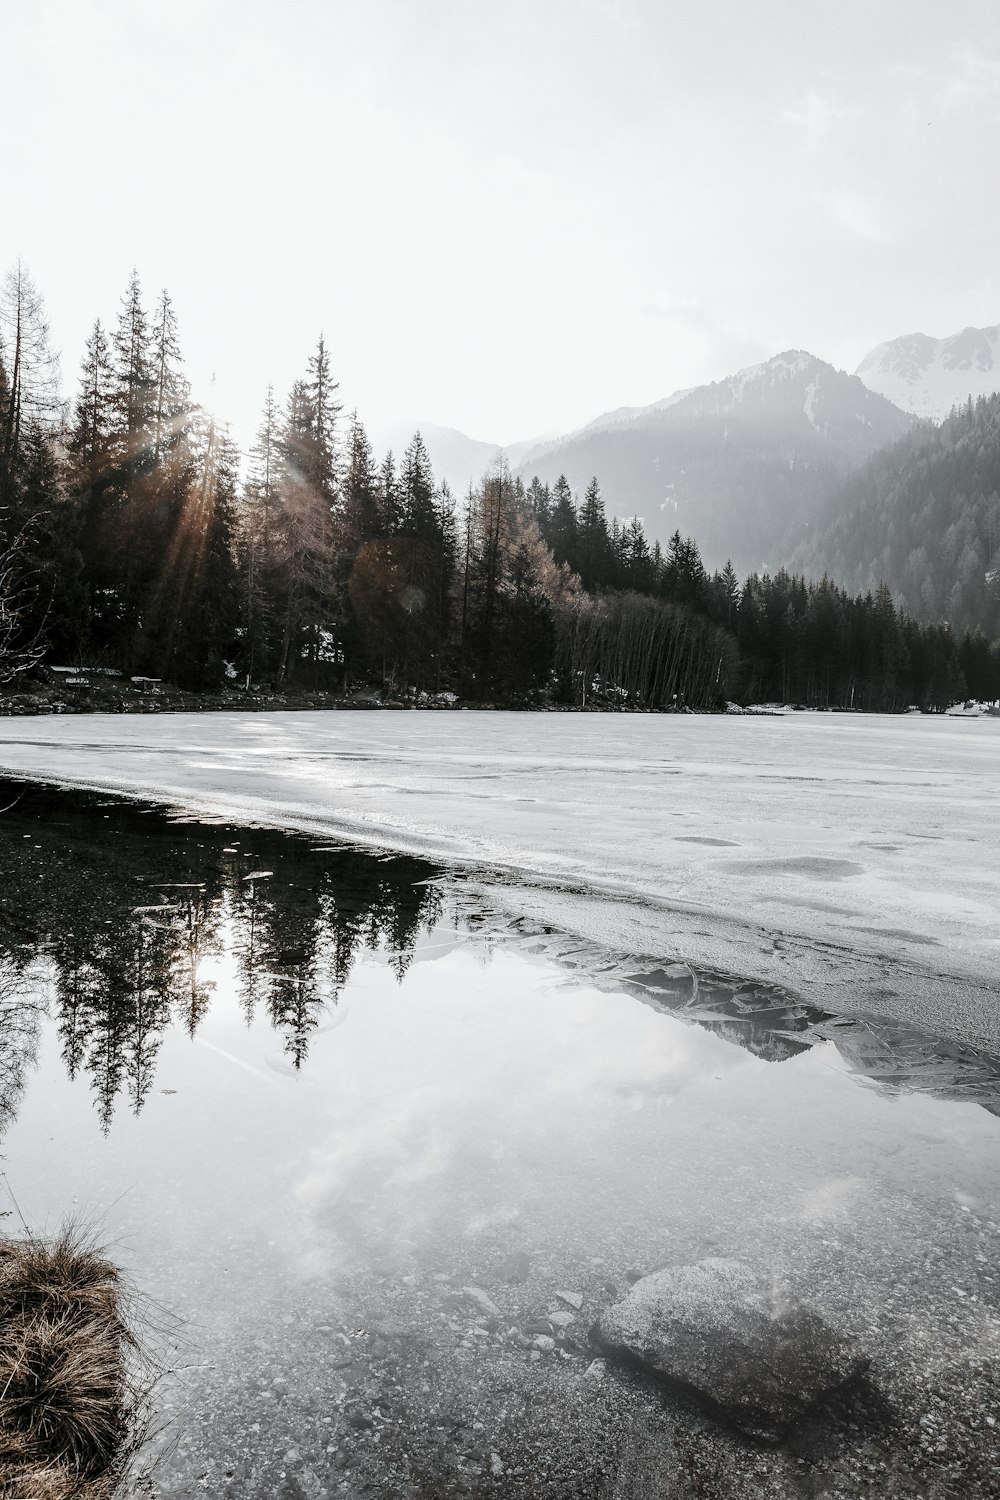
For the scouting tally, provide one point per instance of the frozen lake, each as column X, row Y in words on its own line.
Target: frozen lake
column 854, row 859
column 386, row 1149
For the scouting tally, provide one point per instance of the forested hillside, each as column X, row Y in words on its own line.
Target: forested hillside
column 137, row 540
column 740, row 463
column 924, row 516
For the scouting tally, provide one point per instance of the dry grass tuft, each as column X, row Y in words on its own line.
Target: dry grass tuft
column 73, row 1404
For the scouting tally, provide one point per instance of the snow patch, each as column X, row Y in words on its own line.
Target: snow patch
column 809, row 405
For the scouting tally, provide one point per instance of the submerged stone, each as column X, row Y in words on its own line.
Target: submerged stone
column 571, row 1299
column 482, row 1300
column 719, row 1330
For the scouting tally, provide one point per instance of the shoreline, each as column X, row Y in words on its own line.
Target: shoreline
column 107, row 694
column 844, row 863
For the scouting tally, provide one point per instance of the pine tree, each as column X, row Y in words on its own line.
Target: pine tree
column 135, row 379
column 171, row 398
column 418, row 515
column 390, row 502
column 684, row 578
column 90, row 440
column 173, row 460
column 315, row 433
column 727, row 592
column 55, row 606
column 90, row 472
column 638, row 561
column 191, row 614
column 208, row 585
column 361, row 490
column 256, row 540
column 593, row 542
column 562, row 534
column 539, row 499
column 307, row 565
column 407, row 602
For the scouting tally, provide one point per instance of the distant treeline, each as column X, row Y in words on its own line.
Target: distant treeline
column 135, row 536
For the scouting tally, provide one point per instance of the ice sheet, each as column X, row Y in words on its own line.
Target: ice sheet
column 854, row 859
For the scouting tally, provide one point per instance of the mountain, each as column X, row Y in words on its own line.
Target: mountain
column 454, row 457
column 929, row 376
column 738, row 464
column 924, row 516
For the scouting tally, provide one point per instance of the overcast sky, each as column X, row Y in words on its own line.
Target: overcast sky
column 506, row 215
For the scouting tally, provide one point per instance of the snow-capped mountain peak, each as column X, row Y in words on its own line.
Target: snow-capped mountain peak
column 929, row 376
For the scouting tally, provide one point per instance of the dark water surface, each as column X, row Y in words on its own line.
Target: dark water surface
column 362, row 1138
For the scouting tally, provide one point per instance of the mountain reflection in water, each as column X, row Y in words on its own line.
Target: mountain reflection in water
column 111, row 915
column 776, row 1026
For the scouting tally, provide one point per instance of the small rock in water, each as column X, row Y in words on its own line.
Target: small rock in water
column 718, row 1329
column 562, row 1319
column 482, row 1300
column 544, row 1343
column 571, row 1299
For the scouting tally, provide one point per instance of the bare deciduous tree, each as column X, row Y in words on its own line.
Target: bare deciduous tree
column 17, row 592
column 31, row 369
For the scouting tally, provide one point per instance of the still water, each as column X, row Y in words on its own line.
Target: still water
column 358, row 1139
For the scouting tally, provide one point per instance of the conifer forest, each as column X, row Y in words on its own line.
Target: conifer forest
column 135, row 537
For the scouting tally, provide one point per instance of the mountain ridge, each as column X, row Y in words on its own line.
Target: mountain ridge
column 738, row 463
column 930, row 376
column 923, row 376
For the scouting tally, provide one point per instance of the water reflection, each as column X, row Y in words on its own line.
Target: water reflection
column 526, row 1116
column 118, row 912
column 775, row 1026
column 113, row 918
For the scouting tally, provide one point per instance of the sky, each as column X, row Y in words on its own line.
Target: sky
column 505, row 216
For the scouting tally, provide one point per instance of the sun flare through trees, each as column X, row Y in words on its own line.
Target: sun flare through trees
column 135, row 537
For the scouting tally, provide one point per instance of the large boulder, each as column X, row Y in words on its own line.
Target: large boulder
column 720, row 1331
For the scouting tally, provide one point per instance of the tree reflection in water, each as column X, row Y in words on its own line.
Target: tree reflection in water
column 111, row 910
